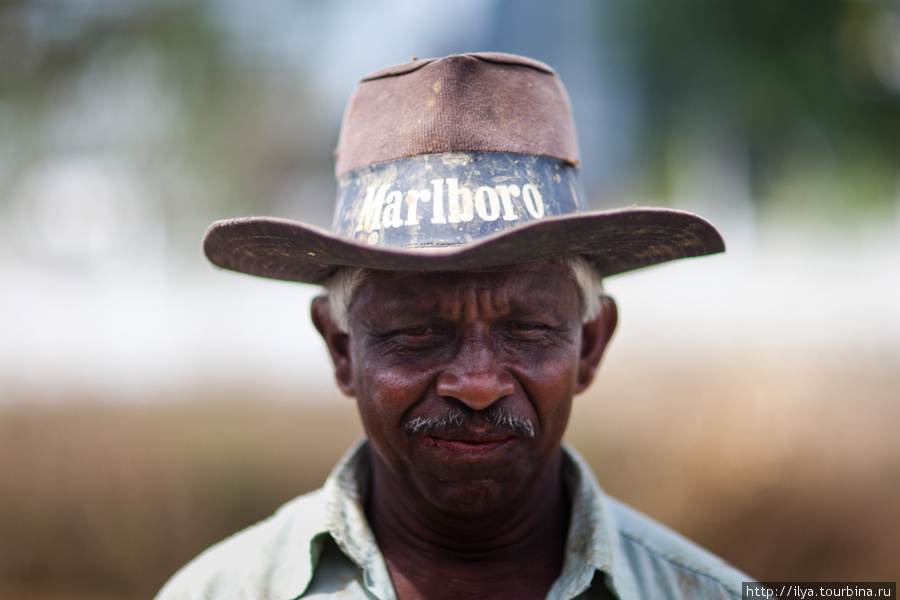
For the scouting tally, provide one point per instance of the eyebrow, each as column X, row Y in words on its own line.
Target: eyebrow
column 410, row 307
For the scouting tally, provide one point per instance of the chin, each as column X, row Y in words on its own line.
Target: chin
column 473, row 496
column 473, row 500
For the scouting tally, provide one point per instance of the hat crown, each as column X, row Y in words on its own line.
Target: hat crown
column 488, row 102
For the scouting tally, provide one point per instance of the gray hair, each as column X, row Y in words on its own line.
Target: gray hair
column 496, row 415
column 339, row 290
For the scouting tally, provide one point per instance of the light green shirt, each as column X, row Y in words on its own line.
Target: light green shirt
column 320, row 546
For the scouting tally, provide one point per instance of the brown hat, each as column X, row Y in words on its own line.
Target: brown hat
column 457, row 163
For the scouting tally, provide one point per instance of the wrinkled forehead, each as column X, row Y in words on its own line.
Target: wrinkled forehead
column 542, row 285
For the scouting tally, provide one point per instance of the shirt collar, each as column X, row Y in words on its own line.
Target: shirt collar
column 346, row 521
column 592, row 545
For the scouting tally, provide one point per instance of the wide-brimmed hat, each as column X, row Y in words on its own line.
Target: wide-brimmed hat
column 458, row 163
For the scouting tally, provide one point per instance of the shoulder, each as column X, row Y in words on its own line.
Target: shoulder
column 265, row 560
column 656, row 554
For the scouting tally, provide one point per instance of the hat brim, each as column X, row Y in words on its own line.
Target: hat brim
column 616, row 241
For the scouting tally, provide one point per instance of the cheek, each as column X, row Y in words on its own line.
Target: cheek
column 385, row 392
column 385, row 396
column 550, row 384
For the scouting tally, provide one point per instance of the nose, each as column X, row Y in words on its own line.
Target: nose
column 474, row 377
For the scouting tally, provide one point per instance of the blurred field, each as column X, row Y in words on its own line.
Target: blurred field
column 791, row 472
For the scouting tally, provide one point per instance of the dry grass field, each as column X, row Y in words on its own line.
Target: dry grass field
column 790, row 473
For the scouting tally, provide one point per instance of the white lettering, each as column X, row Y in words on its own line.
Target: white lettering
column 437, row 212
column 505, row 191
column 394, row 205
column 383, row 208
column 457, row 213
column 412, row 198
column 480, row 206
column 533, row 200
column 371, row 209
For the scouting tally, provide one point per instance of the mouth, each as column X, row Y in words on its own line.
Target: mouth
column 466, row 448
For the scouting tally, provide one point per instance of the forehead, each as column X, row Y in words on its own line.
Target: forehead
column 536, row 285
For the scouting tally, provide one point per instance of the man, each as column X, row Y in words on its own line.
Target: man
column 463, row 311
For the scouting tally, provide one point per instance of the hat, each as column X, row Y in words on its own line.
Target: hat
column 457, row 163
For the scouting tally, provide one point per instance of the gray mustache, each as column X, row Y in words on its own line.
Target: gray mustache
column 457, row 420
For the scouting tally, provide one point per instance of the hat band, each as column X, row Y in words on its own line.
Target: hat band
column 452, row 198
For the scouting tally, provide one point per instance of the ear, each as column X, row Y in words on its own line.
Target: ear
column 338, row 343
column 595, row 336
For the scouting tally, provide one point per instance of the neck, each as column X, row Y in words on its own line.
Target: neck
column 514, row 551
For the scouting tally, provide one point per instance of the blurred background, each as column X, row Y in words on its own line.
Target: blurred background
column 151, row 405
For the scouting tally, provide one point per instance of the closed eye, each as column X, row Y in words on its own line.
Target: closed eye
column 420, row 334
column 422, row 331
column 523, row 327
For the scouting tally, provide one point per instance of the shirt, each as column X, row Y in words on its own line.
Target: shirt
column 320, row 545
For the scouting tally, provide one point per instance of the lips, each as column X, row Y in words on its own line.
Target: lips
column 463, row 447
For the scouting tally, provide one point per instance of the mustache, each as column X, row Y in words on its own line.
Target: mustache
column 457, row 420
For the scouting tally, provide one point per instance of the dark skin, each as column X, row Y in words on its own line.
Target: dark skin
column 467, row 505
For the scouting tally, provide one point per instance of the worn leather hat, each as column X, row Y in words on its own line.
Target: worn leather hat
column 457, row 163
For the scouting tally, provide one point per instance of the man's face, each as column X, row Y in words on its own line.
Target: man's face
column 464, row 380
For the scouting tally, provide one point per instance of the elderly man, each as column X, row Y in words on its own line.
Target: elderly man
column 463, row 311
